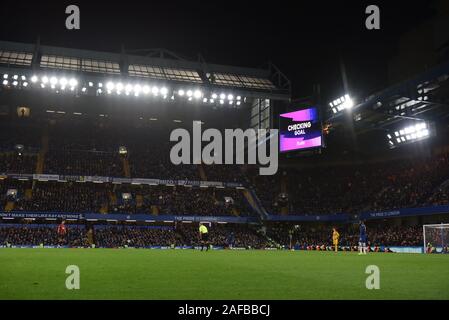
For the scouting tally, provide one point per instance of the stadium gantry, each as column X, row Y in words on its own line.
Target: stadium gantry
column 157, row 73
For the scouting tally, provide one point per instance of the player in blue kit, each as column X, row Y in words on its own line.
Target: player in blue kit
column 362, row 238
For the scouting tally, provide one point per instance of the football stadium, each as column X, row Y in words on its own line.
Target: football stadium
column 143, row 174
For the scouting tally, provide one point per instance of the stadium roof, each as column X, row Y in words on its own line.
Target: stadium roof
column 424, row 97
column 157, row 65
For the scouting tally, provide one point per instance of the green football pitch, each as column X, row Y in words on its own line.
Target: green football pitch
column 189, row 274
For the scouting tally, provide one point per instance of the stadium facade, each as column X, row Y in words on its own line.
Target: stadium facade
column 85, row 139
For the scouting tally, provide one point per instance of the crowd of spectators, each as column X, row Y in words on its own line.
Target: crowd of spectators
column 64, row 197
column 13, row 162
column 137, row 237
column 313, row 236
column 356, row 188
column 224, row 235
column 220, row 235
column 45, row 235
column 81, row 148
column 83, row 163
column 181, row 200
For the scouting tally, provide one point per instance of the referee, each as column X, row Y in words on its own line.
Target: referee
column 204, row 236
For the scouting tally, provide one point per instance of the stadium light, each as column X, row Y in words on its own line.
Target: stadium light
column 110, row 86
column 63, row 83
column 343, row 103
column 73, row 82
column 197, row 94
column 412, row 133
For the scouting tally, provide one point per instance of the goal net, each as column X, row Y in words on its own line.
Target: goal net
column 436, row 238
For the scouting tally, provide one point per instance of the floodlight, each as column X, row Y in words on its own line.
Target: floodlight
column 197, row 94
column 137, row 88
column 221, row 101
column 230, row 97
column 239, row 98
column 73, row 82
column 409, row 134
column 204, row 99
column 181, row 92
column 119, row 86
column 146, row 89
column 155, row 90
column 128, row 88
column 343, row 103
column 15, row 83
column 5, row 82
column 91, row 84
column 189, row 93
column 164, row 91
column 23, row 78
column 110, row 86
column 44, row 79
column 25, row 84
column 214, row 96
column 63, row 82
column 222, row 96
column 15, row 77
column 33, row 79
column 5, row 76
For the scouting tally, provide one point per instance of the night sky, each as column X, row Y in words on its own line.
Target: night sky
column 305, row 39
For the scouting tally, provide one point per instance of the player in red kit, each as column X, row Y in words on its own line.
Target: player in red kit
column 62, row 231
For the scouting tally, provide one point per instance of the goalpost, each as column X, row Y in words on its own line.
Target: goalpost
column 436, row 236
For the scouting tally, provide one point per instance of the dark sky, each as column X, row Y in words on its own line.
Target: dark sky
column 303, row 38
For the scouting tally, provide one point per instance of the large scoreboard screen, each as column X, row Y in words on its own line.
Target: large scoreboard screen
column 300, row 130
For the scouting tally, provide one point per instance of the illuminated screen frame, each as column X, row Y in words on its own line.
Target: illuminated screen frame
column 315, row 132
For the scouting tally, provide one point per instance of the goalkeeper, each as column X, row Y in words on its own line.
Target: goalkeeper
column 335, row 238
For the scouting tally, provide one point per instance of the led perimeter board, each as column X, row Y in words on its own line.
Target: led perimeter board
column 299, row 130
